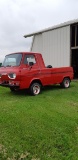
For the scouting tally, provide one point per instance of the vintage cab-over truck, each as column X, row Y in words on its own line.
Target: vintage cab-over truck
column 27, row 70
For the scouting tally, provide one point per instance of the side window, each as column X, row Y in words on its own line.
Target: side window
column 29, row 58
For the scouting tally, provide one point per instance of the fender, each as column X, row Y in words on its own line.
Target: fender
column 36, row 80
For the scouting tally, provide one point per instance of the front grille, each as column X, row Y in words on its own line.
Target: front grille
column 5, row 82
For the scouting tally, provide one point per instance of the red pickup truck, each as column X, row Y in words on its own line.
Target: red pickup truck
column 26, row 70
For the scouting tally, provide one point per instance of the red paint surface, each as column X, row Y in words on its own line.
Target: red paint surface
column 26, row 74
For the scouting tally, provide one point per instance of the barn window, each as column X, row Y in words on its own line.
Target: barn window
column 77, row 36
column 74, row 36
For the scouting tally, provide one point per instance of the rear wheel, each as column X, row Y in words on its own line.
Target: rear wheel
column 66, row 83
column 35, row 89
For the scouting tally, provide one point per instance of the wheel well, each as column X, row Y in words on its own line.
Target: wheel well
column 36, row 81
column 67, row 77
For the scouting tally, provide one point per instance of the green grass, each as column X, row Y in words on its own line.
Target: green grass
column 43, row 127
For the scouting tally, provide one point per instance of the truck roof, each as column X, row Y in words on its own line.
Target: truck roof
column 24, row 53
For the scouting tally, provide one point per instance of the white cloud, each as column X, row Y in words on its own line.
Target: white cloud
column 20, row 17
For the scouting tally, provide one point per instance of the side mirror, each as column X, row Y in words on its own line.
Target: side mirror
column 31, row 63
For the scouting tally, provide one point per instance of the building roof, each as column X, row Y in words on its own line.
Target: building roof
column 52, row 28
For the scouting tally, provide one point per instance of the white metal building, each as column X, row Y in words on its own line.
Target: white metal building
column 58, row 45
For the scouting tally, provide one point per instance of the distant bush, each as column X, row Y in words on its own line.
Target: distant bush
column 0, row 64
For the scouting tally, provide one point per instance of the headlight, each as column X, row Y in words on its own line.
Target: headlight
column 12, row 75
column 0, row 75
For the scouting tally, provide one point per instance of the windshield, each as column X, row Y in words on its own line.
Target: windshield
column 12, row 60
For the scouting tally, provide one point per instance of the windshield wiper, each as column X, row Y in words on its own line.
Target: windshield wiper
column 8, row 66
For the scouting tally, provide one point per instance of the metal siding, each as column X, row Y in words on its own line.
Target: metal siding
column 54, row 46
column 37, row 43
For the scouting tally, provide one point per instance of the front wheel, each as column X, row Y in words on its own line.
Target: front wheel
column 35, row 89
column 13, row 89
column 66, row 83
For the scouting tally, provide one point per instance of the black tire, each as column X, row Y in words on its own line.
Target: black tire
column 35, row 89
column 13, row 89
column 66, row 83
